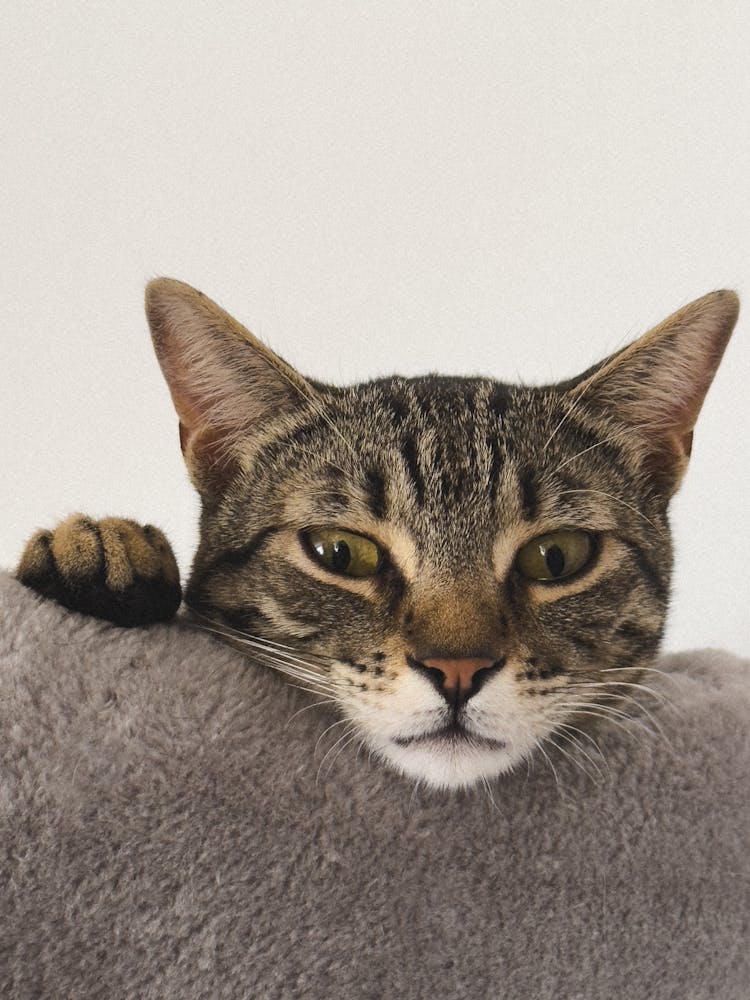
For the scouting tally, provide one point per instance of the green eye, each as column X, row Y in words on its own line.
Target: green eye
column 344, row 552
column 556, row 555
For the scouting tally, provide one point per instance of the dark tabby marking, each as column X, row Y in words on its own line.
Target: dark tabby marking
column 529, row 494
column 376, row 495
column 452, row 661
column 411, row 460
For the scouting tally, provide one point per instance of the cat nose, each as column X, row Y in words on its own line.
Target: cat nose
column 459, row 678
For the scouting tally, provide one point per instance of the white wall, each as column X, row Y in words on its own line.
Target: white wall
column 507, row 188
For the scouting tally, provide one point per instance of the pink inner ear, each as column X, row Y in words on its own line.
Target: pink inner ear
column 224, row 382
column 662, row 398
column 678, row 385
column 655, row 387
column 202, row 440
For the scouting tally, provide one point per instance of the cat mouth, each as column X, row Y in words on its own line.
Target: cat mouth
column 451, row 735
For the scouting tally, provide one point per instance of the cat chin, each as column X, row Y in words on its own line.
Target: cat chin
column 446, row 768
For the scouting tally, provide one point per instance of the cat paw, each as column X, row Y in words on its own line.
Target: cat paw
column 114, row 569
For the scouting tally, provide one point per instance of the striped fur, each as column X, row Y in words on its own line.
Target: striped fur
column 450, row 476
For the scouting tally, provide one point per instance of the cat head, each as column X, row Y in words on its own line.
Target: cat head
column 464, row 567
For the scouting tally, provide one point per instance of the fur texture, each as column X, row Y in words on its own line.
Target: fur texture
column 451, row 477
column 172, row 829
column 112, row 568
column 450, row 660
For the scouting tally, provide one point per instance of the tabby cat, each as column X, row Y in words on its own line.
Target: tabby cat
column 465, row 567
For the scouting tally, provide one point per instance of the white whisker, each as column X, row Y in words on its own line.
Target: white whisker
column 620, row 684
column 306, row 708
column 584, row 451
column 619, row 719
column 616, row 500
column 338, row 722
column 578, row 746
column 349, row 732
column 549, row 762
column 568, row 413
column 623, row 696
column 570, row 756
column 675, row 679
column 490, row 796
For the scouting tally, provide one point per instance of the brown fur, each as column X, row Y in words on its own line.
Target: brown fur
column 450, row 477
column 113, row 568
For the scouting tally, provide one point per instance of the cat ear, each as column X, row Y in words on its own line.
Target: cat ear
column 655, row 387
column 224, row 382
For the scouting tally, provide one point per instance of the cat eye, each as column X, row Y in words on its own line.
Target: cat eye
column 344, row 552
column 555, row 555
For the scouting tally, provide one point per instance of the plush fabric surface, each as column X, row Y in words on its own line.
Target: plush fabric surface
column 168, row 831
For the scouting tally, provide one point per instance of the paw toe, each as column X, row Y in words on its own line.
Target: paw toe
column 77, row 549
column 113, row 569
column 36, row 567
column 167, row 564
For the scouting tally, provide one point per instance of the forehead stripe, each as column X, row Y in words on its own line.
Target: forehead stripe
column 529, row 494
column 376, row 493
column 411, row 461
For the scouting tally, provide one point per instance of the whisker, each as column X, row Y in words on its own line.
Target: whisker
column 620, row 684
column 570, row 756
column 616, row 500
column 490, row 796
column 313, row 682
column 585, row 708
column 349, row 732
column 260, row 645
column 306, row 708
column 587, row 736
column 227, row 629
column 584, row 451
column 629, row 698
column 665, row 703
column 675, row 679
column 578, row 746
column 338, row 722
column 414, row 791
column 318, row 407
column 549, row 762
column 568, row 413
column 338, row 753
column 599, row 444
column 312, row 687
column 592, row 380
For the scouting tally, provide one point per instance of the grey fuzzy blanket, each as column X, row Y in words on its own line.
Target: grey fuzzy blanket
column 168, row 831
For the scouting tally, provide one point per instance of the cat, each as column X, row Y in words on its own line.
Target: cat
column 464, row 567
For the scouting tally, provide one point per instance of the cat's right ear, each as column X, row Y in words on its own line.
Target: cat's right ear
column 654, row 388
column 224, row 382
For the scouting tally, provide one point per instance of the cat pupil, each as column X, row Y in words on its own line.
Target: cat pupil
column 341, row 555
column 555, row 560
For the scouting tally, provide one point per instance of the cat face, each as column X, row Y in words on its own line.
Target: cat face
column 464, row 567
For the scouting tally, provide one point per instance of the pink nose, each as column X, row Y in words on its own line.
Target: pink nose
column 459, row 674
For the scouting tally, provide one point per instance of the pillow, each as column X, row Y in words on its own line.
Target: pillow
column 177, row 823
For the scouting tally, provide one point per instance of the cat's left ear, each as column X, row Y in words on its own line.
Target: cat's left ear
column 226, row 385
column 655, row 387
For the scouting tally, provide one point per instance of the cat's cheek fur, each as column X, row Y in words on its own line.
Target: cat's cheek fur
column 449, row 477
column 414, row 708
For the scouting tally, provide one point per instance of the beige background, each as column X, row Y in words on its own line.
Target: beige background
column 507, row 188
